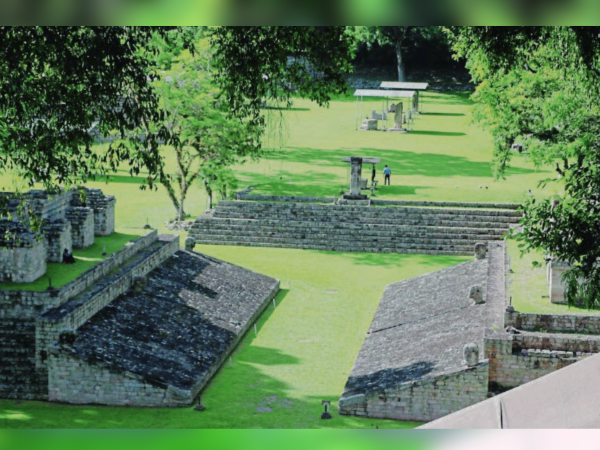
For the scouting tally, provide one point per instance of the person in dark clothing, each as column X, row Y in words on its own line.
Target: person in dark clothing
column 387, row 172
column 68, row 257
column 373, row 175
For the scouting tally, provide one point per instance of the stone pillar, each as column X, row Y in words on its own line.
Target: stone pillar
column 471, row 352
column 398, row 118
column 556, row 287
column 480, row 250
column 355, row 173
column 476, row 294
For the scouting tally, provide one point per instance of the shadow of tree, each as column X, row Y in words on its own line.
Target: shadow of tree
column 437, row 133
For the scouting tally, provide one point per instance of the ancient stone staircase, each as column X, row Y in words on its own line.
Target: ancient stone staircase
column 389, row 229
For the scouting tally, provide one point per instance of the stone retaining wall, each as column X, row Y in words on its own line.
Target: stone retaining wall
column 553, row 323
column 71, row 315
column 509, row 368
column 30, row 304
column 424, row 400
column 72, row 381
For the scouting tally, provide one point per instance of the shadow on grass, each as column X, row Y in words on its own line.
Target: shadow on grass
column 442, row 114
column 400, row 161
column 438, row 133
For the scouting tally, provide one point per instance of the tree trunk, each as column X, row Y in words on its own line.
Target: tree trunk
column 181, row 212
column 400, row 62
column 209, row 193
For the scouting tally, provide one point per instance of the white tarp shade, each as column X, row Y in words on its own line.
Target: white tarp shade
column 404, row 85
column 380, row 93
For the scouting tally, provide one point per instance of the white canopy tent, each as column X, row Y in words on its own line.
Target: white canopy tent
column 417, row 87
column 385, row 95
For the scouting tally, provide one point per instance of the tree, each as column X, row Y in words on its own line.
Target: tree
column 57, row 83
column 539, row 86
column 276, row 63
column 399, row 37
column 208, row 141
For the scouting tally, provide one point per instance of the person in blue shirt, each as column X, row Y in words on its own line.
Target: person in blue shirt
column 387, row 172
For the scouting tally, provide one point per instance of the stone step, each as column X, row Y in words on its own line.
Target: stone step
column 362, row 215
column 424, row 238
column 224, row 204
column 420, row 251
column 341, row 225
column 347, row 243
column 217, row 227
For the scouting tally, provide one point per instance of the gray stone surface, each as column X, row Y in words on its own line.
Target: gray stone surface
column 432, row 307
column 567, row 398
column 179, row 330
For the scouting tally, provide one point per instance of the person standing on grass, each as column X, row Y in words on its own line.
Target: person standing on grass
column 387, row 172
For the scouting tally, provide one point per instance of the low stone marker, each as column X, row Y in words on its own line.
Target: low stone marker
column 480, row 250
column 190, row 243
column 471, row 352
column 476, row 294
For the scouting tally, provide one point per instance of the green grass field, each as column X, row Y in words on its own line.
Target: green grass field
column 302, row 354
column 306, row 346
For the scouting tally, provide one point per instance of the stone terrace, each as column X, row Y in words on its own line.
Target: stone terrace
column 347, row 227
column 411, row 365
column 159, row 344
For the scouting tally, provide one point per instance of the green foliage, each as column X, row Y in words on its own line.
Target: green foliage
column 57, row 83
column 538, row 87
column 208, row 140
column 407, row 42
column 276, row 63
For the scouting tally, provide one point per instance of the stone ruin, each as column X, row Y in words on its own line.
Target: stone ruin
column 69, row 219
column 148, row 326
column 448, row 340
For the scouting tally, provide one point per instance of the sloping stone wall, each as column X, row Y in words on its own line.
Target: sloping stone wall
column 78, row 310
column 423, row 400
column 172, row 333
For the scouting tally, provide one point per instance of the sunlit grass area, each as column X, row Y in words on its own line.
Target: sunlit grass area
column 528, row 286
column 302, row 354
column 58, row 274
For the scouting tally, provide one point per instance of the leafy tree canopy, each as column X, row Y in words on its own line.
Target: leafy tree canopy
column 538, row 87
column 276, row 63
column 58, row 83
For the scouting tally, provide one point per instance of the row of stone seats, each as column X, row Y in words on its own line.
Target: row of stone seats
column 352, row 228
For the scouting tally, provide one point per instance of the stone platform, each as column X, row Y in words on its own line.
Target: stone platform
column 160, row 343
column 353, row 227
column 412, row 365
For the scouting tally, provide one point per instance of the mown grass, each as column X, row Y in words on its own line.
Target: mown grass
column 306, row 346
column 528, row 286
column 302, row 354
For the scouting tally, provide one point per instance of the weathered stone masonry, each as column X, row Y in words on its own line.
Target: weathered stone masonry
column 68, row 219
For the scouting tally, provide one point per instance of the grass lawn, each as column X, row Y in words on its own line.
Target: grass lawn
column 528, row 287
column 306, row 346
column 85, row 258
column 303, row 353
column 444, row 151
